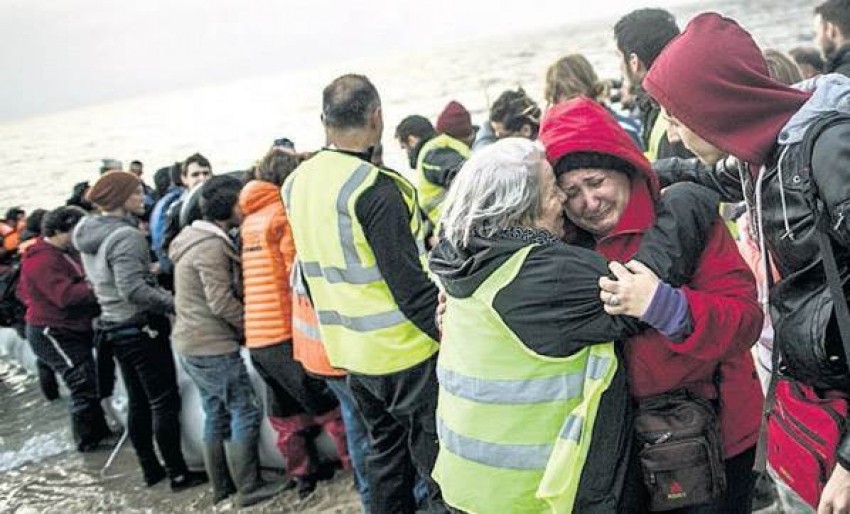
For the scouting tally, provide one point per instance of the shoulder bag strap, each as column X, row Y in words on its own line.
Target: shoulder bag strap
column 839, row 301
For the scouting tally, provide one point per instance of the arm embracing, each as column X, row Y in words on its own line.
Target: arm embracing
column 724, row 177
column 727, row 318
column 684, row 222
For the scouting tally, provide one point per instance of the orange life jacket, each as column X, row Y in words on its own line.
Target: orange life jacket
column 307, row 347
column 267, row 254
column 11, row 237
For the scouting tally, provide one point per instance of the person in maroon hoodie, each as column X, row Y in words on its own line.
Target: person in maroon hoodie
column 611, row 195
column 731, row 107
column 60, row 308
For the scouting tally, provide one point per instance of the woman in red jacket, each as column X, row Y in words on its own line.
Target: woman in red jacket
column 611, row 192
column 60, row 308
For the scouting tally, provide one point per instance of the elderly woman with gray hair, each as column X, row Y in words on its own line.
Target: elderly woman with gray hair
column 529, row 358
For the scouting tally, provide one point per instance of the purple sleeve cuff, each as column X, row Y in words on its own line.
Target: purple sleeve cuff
column 669, row 314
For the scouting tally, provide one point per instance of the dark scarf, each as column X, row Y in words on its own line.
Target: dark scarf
column 528, row 235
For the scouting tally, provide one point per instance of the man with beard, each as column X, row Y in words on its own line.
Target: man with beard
column 640, row 36
column 832, row 29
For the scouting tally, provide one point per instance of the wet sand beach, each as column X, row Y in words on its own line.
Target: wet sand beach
column 42, row 473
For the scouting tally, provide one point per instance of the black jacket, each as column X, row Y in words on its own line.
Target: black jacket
column 801, row 306
column 839, row 62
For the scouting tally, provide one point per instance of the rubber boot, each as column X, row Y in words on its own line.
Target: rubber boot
column 331, row 423
column 215, row 462
column 292, row 443
column 244, row 463
column 295, row 446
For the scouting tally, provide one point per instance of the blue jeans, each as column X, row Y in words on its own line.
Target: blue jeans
column 231, row 408
column 357, row 438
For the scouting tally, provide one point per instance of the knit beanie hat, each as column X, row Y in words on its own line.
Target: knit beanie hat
column 455, row 121
column 112, row 189
column 592, row 160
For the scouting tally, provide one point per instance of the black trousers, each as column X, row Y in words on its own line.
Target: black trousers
column 400, row 414
column 69, row 353
column 46, row 380
column 147, row 367
column 293, row 390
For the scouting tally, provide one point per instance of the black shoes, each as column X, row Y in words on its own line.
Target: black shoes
column 154, row 477
column 306, row 486
column 187, row 480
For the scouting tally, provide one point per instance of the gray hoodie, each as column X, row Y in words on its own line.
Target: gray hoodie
column 830, row 93
column 117, row 261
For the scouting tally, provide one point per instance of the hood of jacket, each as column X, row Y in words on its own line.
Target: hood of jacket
column 92, row 230
column 829, row 93
column 583, row 125
column 713, row 78
column 462, row 269
column 257, row 195
column 195, row 234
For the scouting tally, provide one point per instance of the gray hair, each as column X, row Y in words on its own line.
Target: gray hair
column 497, row 188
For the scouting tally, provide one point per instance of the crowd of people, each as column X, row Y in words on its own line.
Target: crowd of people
column 589, row 307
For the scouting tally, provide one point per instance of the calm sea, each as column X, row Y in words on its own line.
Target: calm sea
column 234, row 123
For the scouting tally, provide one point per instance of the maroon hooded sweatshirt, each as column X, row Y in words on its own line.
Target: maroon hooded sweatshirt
column 721, row 294
column 54, row 289
column 713, row 78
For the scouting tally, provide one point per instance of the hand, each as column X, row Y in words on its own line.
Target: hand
column 836, row 495
column 441, row 310
column 633, row 290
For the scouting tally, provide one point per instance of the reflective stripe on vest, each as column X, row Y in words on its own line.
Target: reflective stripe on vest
column 431, row 195
column 307, row 347
column 521, row 391
column 366, row 323
column 360, row 323
column 514, row 426
column 510, row 456
column 308, row 330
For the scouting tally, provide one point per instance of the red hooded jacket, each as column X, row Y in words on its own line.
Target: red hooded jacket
column 713, row 78
column 721, row 295
column 54, row 289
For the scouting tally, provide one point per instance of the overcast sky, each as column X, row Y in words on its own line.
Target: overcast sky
column 60, row 54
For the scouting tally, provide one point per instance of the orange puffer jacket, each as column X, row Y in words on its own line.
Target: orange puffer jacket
column 267, row 255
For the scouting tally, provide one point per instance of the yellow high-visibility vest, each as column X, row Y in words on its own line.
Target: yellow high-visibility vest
column 514, row 426
column 431, row 195
column 360, row 323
